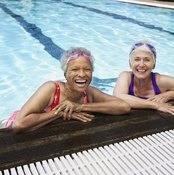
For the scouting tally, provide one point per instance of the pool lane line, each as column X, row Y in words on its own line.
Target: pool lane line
column 49, row 46
column 121, row 17
column 54, row 50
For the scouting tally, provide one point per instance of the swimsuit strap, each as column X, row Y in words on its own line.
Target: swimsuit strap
column 56, row 98
column 155, row 86
column 85, row 97
column 131, row 86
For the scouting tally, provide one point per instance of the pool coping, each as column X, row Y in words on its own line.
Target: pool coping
column 61, row 138
column 161, row 4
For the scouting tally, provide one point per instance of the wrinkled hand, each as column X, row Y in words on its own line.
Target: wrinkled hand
column 67, row 107
column 81, row 116
column 160, row 98
column 166, row 107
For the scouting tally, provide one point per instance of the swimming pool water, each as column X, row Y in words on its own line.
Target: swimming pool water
column 33, row 34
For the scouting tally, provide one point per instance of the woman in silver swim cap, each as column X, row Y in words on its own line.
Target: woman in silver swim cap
column 141, row 87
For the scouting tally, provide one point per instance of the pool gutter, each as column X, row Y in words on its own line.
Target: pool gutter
column 162, row 4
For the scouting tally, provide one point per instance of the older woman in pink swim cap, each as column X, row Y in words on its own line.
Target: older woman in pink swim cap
column 73, row 99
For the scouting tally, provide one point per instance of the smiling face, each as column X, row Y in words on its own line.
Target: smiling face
column 142, row 63
column 79, row 73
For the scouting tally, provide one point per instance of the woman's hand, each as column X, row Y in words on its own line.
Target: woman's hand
column 70, row 110
column 165, row 107
column 67, row 107
column 81, row 116
column 160, row 98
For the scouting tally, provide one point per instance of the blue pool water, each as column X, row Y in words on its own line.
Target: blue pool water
column 34, row 33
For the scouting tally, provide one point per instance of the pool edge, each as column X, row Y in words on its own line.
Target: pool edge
column 161, row 4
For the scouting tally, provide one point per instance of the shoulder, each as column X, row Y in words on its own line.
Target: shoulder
column 95, row 91
column 49, row 86
column 124, row 77
column 47, row 91
column 164, row 81
column 125, row 74
column 163, row 77
column 96, row 95
column 122, row 83
column 92, row 91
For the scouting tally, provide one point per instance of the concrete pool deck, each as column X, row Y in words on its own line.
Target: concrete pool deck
column 163, row 4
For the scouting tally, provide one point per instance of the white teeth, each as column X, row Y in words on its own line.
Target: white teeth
column 80, row 81
column 140, row 70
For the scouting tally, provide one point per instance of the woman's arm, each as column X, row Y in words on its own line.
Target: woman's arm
column 104, row 103
column 166, row 85
column 32, row 113
column 98, row 102
column 121, row 90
